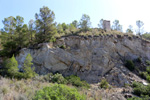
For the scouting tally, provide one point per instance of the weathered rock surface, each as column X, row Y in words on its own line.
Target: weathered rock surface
column 90, row 58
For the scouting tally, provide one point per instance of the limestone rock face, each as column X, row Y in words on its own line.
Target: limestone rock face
column 90, row 58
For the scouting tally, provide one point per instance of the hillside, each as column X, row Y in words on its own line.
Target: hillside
column 68, row 56
column 89, row 57
column 92, row 58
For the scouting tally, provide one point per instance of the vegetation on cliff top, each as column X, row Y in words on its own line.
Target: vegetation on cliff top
column 16, row 35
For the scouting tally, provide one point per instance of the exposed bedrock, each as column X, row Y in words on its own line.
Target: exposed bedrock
column 90, row 58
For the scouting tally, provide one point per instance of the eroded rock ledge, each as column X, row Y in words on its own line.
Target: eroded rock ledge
column 89, row 57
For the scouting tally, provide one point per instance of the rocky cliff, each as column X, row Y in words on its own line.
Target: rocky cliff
column 89, row 57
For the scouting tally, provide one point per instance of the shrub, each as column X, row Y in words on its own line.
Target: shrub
column 58, row 92
column 148, row 69
column 140, row 89
column 58, row 78
column 146, row 75
column 74, row 80
column 104, row 84
column 20, row 97
column 62, row 47
column 147, row 62
column 130, row 65
column 4, row 90
column 53, row 39
column 148, row 78
column 146, row 36
column 143, row 75
column 44, row 78
column 139, row 60
column 48, row 77
column 138, row 98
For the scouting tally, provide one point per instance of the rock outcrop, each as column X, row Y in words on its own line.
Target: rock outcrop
column 89, row 57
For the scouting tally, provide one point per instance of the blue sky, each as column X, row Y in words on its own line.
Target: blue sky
column 126, row 11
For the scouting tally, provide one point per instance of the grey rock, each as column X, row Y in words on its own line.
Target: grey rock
column 89, row 58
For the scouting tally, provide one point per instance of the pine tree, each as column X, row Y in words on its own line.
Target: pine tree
column 116, row 26
column 59, row 29
column 12, row 67
column 72, row 28
column 45, row 25
column 21, row 32
column 100, row 25
column 13, row 35
column 75, row 23
column 31, row 30
column 85, row 22
column 28, row 67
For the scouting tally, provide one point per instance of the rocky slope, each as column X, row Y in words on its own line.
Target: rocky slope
column 89, row 57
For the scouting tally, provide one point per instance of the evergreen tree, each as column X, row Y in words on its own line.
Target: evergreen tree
column 100, row 25
column 12, row 67
column 59, row 29
column 130, row 29
column 9, row 27
column 85, row 22
column 139, row 24
column 28, row 67
column 31, row 30
column 45, row 25
column 13, row 35
column 8, row 36
column 116, row 26
column 64, row 26
column 21, row 33
column 72, row 29
column 75, row 23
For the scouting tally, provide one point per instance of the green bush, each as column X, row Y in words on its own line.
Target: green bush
column 62, row 47
column 148, row 78
column 138, row 98
column 74, row 80
column 139, row 60
column 146, row 75
column 140, row 90
column 147, row 62
column 58, row 78
column 104, row 84
column 143, row 75
column 53, row 39
column 146, row 36
column 47, row 77
column 58, row 92
column 148, row 69
column 130, row 65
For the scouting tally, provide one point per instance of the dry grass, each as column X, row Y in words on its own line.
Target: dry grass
column 96, row 93
column 12, row 89
column 94, row 32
